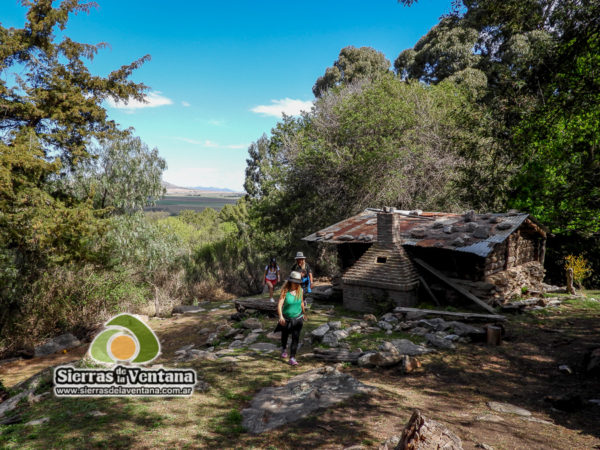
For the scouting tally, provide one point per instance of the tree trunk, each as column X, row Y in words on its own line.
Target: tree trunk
column 421, row 433
column 570, row 288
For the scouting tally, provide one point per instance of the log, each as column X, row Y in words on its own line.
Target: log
column 454, row 286
column 256, row 304
column 460, row 315
column 336, row 355
column 494, row 335
column 422, row 433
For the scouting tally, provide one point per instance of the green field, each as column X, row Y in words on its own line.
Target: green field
column 174, row 204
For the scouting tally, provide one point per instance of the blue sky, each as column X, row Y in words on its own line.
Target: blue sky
column 221, row 72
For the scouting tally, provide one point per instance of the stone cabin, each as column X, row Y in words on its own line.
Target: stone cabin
column 493, row 256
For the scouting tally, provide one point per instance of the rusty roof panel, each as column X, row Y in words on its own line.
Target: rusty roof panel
column 477, row 234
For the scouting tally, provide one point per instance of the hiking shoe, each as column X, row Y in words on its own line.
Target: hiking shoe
column 293, row 362
column 284, row 354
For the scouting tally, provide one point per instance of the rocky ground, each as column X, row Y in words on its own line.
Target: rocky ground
column 538, row 389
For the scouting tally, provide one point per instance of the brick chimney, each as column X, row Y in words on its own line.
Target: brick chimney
column 388, row 232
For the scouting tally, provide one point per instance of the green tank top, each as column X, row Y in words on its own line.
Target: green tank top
column 292, row 306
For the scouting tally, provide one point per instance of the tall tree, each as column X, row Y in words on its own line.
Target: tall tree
column 559, row 180
column 506, row 53
column 366, row 144
column 51, row 108
column 123, row 174
column 353, row 64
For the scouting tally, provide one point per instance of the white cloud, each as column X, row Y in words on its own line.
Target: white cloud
column 216, row 123
column 153, row 99
column 289, row 106
column 186, row 104
column 210, row 144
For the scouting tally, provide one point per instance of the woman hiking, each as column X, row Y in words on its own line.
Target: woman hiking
column 272, row 277
column 291, row 315
column 305, row 271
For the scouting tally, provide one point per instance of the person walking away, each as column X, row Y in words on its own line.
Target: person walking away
column 291, row 315
column 272, row 277
column 305, row 270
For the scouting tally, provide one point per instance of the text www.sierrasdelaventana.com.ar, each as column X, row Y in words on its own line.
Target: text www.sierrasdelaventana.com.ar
column 123, row 381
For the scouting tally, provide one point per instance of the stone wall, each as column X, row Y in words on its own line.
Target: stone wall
column 365, row 299
column 510, row 282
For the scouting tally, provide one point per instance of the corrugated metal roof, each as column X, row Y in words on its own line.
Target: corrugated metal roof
column 474, row 233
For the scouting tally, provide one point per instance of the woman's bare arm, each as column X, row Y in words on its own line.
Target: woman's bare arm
column 280, row 307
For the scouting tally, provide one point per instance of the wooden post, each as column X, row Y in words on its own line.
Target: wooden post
column 494, row 335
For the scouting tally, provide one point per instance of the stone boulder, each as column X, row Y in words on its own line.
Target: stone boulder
column 319, row 332
column 200, row 354
column 379, row 359
column 324, row 387
column 389, row 317
column 465, row 330
column 251, row 323
column 370, row 319
column 341, row 334
column 337, row 325
column 439, row 342
column 435, row 324
column 330, row 339
column 385, row 325
column 63, row 342
column 187, row 309
column 406, row 347
column 251, row 338
column 263, row 347
column 508, row 408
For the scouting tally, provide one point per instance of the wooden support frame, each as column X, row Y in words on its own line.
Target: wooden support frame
column 454, row 286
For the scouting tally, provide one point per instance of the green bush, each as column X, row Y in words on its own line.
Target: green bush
column 72, row 298
column 139, row 243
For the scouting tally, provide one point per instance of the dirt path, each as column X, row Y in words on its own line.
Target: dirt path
column 452, row 387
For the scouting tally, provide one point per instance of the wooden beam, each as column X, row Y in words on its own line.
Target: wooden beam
column 454, row 286
column 453, row 314
column 426, row 286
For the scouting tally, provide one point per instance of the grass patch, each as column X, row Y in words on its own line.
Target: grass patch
column 372, row 341
column 595, row 293
column 583, row 304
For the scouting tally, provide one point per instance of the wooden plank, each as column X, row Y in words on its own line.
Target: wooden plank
column 457, row 288
column 453, row 314
column 426, row 286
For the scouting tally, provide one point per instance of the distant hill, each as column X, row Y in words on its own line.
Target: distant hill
column 212, row 189
column 197, row 190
